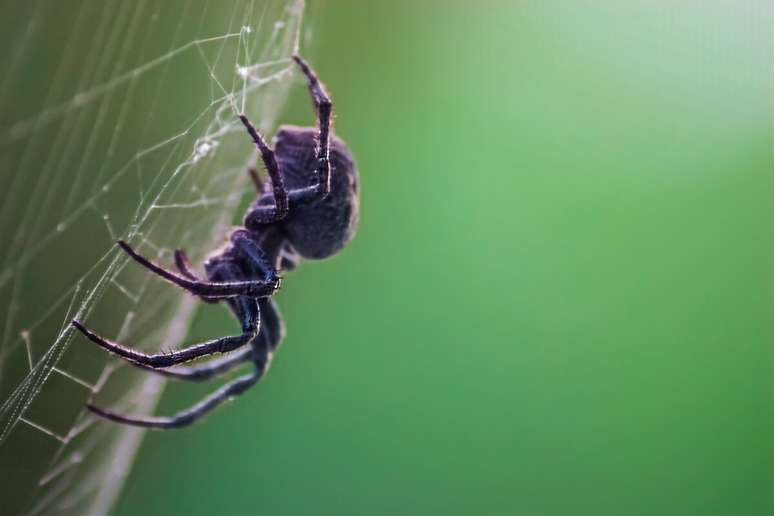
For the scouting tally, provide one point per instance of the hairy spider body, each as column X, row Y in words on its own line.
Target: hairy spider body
column 295, row 149
column 308, row 209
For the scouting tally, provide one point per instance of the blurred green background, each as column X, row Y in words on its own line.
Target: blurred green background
column 559, row 301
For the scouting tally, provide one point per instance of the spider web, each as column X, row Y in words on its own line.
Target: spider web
column 116, row 121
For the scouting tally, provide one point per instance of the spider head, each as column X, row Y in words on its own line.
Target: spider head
column 319, row 228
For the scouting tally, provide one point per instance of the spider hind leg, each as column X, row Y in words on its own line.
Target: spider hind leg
column 195, row 412
column 259, row 353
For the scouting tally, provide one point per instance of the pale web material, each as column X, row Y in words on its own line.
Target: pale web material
column 127, row 129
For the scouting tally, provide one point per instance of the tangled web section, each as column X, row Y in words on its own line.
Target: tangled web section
column 132, row 133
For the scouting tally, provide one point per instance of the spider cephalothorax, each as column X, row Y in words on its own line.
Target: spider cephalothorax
column 307, row 209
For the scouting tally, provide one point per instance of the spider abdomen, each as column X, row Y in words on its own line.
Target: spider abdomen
column 320, row 228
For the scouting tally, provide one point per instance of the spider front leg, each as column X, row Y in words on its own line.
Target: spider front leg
column 324, row 107
column 267, row 214
column 209, row 289
column 261, row 215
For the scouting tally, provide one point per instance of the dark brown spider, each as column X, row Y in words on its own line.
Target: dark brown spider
column 309, row 209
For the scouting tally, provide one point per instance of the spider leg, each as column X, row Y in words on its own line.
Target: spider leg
column 200, row 373
column 271, row 334
column 192, row 414
column 272, row 325
column 184, row 266
column 221, row 345
column 256, row 179
column 252, row 288
column 261, row 215
column 267, row 214
column 246, row 308
column 252, row 253
column 324, row 107
column 188, row 416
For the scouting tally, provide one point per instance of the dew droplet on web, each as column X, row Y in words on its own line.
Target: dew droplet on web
column 203, row 149
column 61, row 227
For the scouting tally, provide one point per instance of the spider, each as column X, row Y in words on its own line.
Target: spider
column 308, row 209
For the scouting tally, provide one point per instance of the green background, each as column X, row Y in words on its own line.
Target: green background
column 559, row 300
